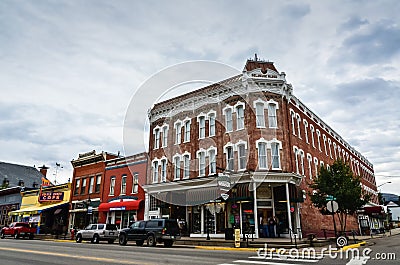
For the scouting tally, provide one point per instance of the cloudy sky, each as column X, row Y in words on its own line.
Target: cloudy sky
column 68, row 69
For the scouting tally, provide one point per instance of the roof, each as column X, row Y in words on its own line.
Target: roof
column 255, row 64
column 15, row 172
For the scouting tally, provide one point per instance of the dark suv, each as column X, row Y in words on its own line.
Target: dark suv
column 152, row 231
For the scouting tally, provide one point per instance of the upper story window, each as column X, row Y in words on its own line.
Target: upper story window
column 163, row 170
column 84, row 183
column 202, row 126
column 319, row 139
column 178, row 132
column 135, row 183
column 77, row 187
column 262, row 155
column 260, row 119
column 275, row 155
column 240, row 117
column 211, row 124
column 156, row 138
column 242, row 156
column 186, row 166
column 293, row 115
column 155, row 171
column 91, row 185
column 312, row 135
column 123, row 184
column 177, row 167
column 165, row 135
column 212, row 161
column 98, row 183
column 187, row 131
column 228, row 119
column 272, row 119
column 202, row 163
column 112, row 185
column 229, row 158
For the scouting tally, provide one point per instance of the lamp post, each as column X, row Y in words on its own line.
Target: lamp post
column 387, row 182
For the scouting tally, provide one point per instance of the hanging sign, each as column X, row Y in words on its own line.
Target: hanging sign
column 51, row 196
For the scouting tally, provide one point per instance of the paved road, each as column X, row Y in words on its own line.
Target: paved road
column 37, row 252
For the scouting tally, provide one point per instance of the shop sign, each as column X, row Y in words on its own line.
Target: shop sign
column 118, row 208
column 90, row 210
column 34, row 219
column 237, row 238
column 224, row 183
column 51, row 196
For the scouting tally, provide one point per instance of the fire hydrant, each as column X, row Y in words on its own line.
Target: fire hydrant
column 73, row 233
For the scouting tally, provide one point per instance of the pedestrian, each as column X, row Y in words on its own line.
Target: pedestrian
column 271, row 227
column 265, row 226
column 277, row 227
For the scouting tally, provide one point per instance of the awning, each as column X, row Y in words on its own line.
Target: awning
column 373, row 210
column 119, row 205
column 37, row 209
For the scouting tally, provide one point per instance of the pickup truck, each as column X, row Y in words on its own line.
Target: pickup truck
column 18, row 229
column 152, row 231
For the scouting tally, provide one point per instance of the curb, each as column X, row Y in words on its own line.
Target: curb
column 226, row 248
column 362, row 243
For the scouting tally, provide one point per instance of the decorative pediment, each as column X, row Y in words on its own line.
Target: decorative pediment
column 269, row 74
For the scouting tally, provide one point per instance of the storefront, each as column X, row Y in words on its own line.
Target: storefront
column 46, row 209
column 372, row 219
column 122, row 211
column 248, row 205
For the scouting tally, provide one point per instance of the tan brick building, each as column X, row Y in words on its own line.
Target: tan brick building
column 236, row 153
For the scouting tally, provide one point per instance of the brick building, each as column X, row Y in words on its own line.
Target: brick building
column 87, row 187
column 123, row 197
column 238, row 152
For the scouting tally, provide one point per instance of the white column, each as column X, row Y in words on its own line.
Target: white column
column 255, row 209
column 298, row 221
column 146, row 206
column 288, row 208
column 240, row 217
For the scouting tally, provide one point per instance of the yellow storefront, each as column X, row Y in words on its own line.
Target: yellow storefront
column 46, row 209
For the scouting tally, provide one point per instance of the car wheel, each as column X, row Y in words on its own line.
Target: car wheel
column 151, row 241
column 122, row 240
column 111, row 241
column 95, row 239
column 168, row 243
column 16, row 235
column 78, row 238
column 139, row 243
column 2, row 235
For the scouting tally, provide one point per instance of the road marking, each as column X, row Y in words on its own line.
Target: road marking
column 107, row 260
column 286, row 258
column 263, row 262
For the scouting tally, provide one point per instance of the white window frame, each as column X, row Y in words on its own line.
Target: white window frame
column 240, row 120
column 260, row 117
column 318, row 139
column 177, row 166
column 201, row 120
column 164, row 168
column 324, row 138
column 165, row 129
column 91, row 184
column 241, row 157
column 135, row 183
column 123, row 184
column 155, row 165
column 212, row 160
column 228, row 118
column 186, row 124
column 186, row 165
column 293, row 115
column 156, row 132
column 178, row 131
column 312, row 129
column 201, row 157
column 263, row 142
column 272, row 114
column 305, row 122
column 228, row 159
column 298, row 118
column 309, row 159
column 270, row 145
column 112, row 186
column 211, row 123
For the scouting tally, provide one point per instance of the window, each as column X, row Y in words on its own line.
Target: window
column 177, row 167
column 186, row 166
column 178, row 135
column 91, row 185
column 163, row 170
column 187, row 131
column 319, row 140
column 84, row 182
column 212, row 124
column 98, row 183
column 212, row 161
column 228, row 120
column 165, row 136
column 260, row 121
column 112, row 185
column 262, row 155
column 135, row 183
column 77, row 186
column 239, row 117
column 242, row 156
column 272, row 121
column 123, row 184
column 155, row 171
column 202, row 163
column 312, row 135
column 229, row 158
column 202, row 127
column 276, row 161
column 156, row 138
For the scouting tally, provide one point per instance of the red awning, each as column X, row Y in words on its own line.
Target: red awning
column 373, row 209
column 119, row 206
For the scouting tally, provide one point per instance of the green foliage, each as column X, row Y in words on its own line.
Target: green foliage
column 340, row 182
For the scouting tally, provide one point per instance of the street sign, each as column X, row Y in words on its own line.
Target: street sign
column 332, row 206
column 330, row 198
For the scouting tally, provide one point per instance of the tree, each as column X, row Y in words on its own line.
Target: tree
column 338, row 180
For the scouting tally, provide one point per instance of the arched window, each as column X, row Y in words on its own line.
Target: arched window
column 272, row 118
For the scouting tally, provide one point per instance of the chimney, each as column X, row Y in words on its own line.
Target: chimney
column 43, row 170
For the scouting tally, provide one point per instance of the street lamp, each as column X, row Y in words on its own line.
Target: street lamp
column 387, row 182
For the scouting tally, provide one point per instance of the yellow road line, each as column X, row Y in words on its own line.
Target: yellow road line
column 107, row 260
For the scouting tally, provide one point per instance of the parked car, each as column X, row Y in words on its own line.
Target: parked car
column 152, row 231
column 18, row 229
column 98, row 232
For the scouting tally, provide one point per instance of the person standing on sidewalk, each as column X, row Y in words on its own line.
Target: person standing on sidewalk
column 271, row 227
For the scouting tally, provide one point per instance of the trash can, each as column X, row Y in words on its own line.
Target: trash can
column 228, row 233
